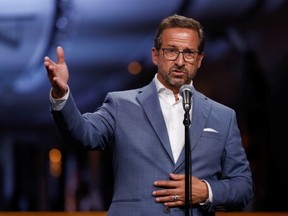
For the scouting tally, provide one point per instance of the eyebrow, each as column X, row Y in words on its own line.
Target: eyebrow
column 173, row 46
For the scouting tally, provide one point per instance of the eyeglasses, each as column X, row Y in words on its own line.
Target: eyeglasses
column 171, row 54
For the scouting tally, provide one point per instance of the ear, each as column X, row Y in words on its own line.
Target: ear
column 200, row 58
column 154, row 55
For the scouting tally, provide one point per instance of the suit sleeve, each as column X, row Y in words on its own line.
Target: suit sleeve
column 90, row 130
column 234, row 187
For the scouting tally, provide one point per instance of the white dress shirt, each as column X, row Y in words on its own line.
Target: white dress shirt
column 173, row 113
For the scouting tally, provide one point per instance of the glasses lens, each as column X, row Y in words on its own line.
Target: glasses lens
column 172, row 54
column 190, row 55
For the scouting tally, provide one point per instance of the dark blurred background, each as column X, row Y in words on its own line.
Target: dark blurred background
column 107, row 46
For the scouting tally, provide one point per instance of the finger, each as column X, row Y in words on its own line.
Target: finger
column 49, row 64
column 174, row 204
column 60, row 55
column 163, row 199
column 177, row 176
column 163, row 192
column 170, row 200
column 165, row 183
column 47, row 61
column 49, row 67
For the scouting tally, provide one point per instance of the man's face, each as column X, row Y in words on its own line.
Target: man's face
column 175, row 73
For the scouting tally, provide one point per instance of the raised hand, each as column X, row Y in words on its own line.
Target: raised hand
column 57, row 73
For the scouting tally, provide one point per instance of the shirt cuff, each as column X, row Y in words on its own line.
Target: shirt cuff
column 210, row 195
column 58, row 104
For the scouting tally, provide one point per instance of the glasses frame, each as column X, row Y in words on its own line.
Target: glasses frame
column 183, row 54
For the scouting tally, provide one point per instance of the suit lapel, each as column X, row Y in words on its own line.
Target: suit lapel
column 200, row 112
column 148, row 98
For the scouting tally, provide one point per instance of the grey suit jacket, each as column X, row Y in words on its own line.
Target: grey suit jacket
column 131, row 124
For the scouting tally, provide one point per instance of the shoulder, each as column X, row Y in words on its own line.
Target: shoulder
column 133, row 93
column 214, row 105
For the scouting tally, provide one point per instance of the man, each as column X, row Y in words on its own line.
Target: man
column 144, row 130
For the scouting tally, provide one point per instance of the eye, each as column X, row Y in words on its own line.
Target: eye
column 189, row 52
column 172, row 50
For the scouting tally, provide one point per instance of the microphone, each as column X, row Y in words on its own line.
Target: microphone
column 186, row 93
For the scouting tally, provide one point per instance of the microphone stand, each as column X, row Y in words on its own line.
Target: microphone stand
column 186, row 123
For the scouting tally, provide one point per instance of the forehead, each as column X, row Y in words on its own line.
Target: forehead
column 180, row 37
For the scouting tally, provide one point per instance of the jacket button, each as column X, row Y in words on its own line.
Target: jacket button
column 166, row 209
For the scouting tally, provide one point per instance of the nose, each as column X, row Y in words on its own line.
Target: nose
column 180, row 59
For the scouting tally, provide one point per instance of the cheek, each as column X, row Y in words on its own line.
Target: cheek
column 163, row 66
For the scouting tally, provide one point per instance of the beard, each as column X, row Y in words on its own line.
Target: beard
column 177, row 80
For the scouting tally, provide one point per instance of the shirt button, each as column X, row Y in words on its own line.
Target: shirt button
column 166, row 209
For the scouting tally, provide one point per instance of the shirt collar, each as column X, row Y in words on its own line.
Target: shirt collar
column 159, row 86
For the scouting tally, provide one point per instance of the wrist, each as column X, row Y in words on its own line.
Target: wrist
column 58, row 94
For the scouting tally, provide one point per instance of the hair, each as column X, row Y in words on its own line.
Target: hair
column 177, row 21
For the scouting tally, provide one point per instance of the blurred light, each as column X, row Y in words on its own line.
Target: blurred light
column 55, row 162
column 54, row 155
column 134, row 67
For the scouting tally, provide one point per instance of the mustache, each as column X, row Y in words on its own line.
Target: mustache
column 182, row 69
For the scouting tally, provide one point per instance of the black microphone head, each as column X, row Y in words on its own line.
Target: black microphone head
column 186, row 93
